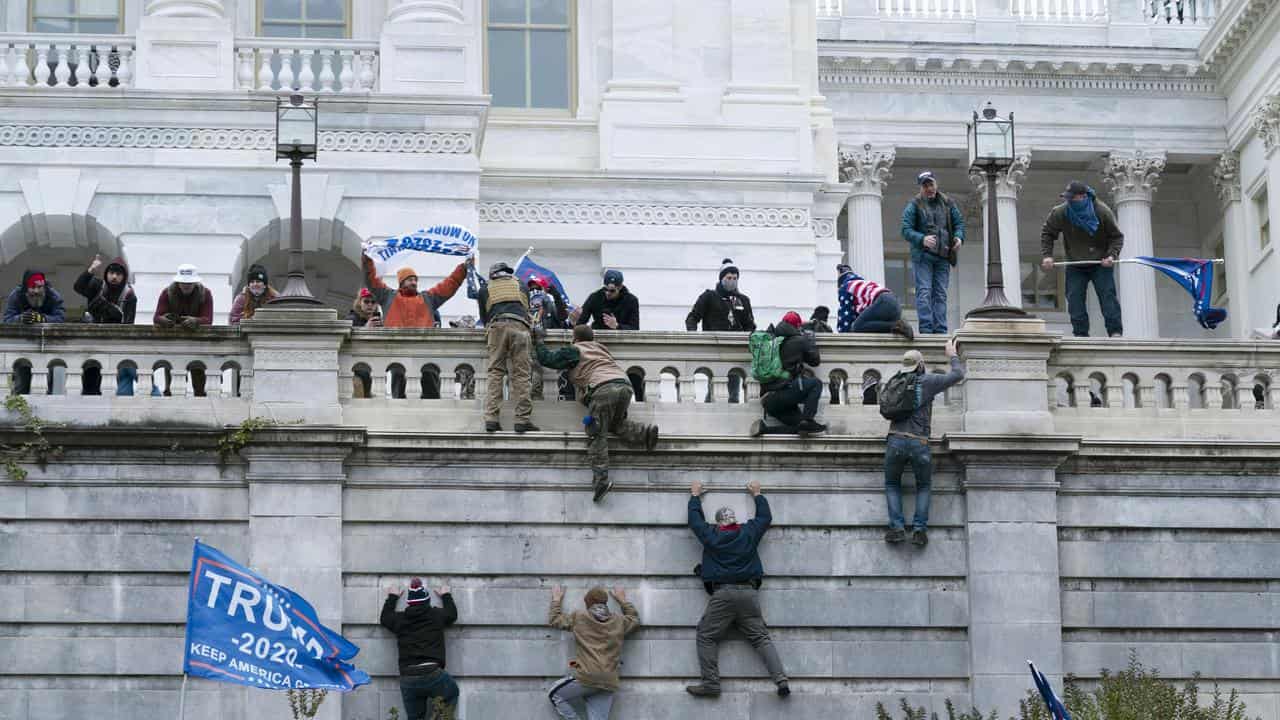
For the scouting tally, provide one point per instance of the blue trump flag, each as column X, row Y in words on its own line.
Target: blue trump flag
column 1197, row 277
column 527, row 269
column 242, row 628
column 1046, row 691
column 438, row 240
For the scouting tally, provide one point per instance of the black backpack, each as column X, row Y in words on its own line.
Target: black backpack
column 901, row 395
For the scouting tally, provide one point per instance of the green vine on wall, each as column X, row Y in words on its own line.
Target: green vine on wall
column 38, row 447
column 235, row 440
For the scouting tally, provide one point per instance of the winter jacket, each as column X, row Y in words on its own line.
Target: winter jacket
column 920, row 422
column 357, row 318
column 716, row 311
column 625, row 309
column 797, row 350
column 411, row 311
column 730, row 556
column 589, row 363
column 246, row 304
column 1076, row 241
column 107, row 304
column 199, row 304
column 598, row 644
column 419, row 630
column 915, row 223
column 816, row 326
column 17, row 304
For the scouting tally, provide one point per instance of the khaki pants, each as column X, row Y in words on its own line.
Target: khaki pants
column 732, row 605
column 609, row 407
column 508, row 345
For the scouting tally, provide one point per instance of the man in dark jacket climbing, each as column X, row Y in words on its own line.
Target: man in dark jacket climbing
column 111, row 298
column 908, row 442
column 723, row 309
column 612, row 307
column 732, row 572
column 419, row 632
column 792, row 401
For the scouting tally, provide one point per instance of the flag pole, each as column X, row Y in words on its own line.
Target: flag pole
column 526, row 254
column 1073, row 263
column 182, row 699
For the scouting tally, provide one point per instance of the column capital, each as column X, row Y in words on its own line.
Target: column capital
column 866, row 169
column 1008, row 181
column 1266, row 122
column 1226, row 177
column 401, row 11
column 1133, row 175
column 186, row 8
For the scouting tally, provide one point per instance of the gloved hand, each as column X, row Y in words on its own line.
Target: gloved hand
column 164, row 321
column 32, row 317
column 189, row 323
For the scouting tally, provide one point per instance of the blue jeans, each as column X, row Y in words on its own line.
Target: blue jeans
column 932, row 275
column 898, row 452
column 1104, row 286
column 880, row 316
column 420, row 691
column 125, row 377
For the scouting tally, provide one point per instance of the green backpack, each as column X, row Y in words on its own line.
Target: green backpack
column 766, row 357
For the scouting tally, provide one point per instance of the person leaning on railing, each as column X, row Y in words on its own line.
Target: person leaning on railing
column 32, row 302
column 186, row 304
column 111, row 302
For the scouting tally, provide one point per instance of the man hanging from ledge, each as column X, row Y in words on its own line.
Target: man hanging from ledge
column 602, row 386
column 732, row 572
column 405, row 307
column 419, row 632
column 598, row 636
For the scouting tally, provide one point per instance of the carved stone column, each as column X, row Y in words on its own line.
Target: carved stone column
column 1226, row 178
column 1133, row 177
column 866, row 170
column 1008, row 183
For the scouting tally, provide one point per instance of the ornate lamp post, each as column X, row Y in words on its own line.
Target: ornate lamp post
column 297, row 134
column 990, row 151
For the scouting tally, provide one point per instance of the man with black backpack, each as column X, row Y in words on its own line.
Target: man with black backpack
column 778, row 357
column 906, row 400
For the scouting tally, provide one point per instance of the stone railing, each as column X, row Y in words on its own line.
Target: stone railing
column 1181, row 12
column 1065, row 11
column 62, row 61
column 830, row 8
column 343, row 66
column 928, row 9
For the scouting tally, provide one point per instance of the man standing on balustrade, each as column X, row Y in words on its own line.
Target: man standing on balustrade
column 723, row 309
column 504, row 300
column 1089, row 232
column 933, row 226
column 602, row 385
column 732, row 573
column 404, row 306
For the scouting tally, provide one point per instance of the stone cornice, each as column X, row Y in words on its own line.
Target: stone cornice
column 230, row 138
column 866, row 169
column 1231, row 31
column 1049, row 82
column 571, row 213
column 1133, row 176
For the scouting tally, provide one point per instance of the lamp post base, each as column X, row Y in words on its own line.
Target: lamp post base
column 996, row 305
column 297, row 294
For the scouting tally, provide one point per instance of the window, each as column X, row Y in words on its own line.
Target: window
column 1039, row 287
column 90, row 17
column 1219, row 272
column 529, row 53
column 304, row 18
column 1263, row 213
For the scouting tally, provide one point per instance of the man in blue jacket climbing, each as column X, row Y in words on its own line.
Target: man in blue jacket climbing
column 732, row 573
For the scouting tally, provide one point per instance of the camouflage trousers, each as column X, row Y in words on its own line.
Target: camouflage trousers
column 609, row 405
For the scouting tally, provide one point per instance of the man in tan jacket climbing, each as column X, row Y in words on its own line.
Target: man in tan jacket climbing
column 598, row 633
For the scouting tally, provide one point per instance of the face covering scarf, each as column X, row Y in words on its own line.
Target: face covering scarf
column 1081, row 213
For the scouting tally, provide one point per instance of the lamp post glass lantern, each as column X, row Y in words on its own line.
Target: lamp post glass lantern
column 297, row 131
column 990, row 151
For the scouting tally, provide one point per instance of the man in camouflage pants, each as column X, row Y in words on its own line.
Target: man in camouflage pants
column 602, row 386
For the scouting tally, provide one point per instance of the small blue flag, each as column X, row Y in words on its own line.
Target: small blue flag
column 1046, row 691
column 527, row 269
column 244, row 629
column 1197, row 277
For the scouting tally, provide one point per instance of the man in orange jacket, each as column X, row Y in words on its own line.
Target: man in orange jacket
column 405, row 307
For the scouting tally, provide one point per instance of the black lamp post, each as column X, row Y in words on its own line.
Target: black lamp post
column 296, row 139
column 990, row 151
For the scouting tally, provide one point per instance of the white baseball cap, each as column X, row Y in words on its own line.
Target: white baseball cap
column 187, row 274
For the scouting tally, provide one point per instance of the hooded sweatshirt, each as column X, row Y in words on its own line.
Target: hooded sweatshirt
column 797, row 350
column 17, row 304
column 111, row 304
column 419, row 630
column 599, row 643
column 625, row 309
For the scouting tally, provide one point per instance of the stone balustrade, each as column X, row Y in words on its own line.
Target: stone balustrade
column 66, row 61
column 1070, row 11
column 326, row 66
column 928, row 9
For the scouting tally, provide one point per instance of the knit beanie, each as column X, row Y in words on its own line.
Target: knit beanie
column 727, row 266
column 612, row 277
column 417, row 593
column 793, row 319
column 405, row 273
column 596, row 596
column 257, row 272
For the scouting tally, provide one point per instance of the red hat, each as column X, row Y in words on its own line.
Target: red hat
column 364, row 293
column 539, row 281
column 792, row 318
column 35, row 277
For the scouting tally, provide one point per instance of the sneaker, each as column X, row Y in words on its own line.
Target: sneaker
column 757, row 428
column 784, row 689
column 491, row 426
column 601, row 483
column 919, row 537
column 651, row 437
column 1115, row 335
column 525, row 427
column 903, row 328
column 811, row 427
column 895, row 535
column 702, row 690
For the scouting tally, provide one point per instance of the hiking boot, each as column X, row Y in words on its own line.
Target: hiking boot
column 601, row 484
column 784, row 689
column 525, row 427
column 492, row 426
column 702, row 690
column 919, row 537
column 811, row 427
column 895, row 535
column 757, row 428
column 651, row 437
column 903, row 328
